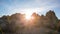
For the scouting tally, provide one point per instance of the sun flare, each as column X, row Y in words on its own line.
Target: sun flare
column 28, row 16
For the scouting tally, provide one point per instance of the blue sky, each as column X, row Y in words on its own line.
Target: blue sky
column 8, row 7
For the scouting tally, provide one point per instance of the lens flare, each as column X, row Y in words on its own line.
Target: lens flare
column 28, row 17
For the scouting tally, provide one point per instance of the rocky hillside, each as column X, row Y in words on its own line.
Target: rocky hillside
column 16, row 24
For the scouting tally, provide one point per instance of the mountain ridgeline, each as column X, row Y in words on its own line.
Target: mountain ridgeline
column 17, row 24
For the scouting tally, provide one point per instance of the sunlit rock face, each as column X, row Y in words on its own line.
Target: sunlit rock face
column 17, row 24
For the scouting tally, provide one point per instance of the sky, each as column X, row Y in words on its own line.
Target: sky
column 9, row 7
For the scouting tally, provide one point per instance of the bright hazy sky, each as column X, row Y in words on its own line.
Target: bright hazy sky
column 8, row 7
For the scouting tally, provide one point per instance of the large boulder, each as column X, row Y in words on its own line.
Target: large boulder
column 53, row 20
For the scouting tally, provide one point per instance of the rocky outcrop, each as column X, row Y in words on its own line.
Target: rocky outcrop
column 14, row 24
column 51, row 15
column 53, row 20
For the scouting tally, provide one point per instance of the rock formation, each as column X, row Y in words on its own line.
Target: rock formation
column 14, row 24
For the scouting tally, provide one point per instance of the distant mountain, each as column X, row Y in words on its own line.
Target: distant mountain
column 16, row 24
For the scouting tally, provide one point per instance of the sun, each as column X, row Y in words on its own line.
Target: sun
column 28, row 16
